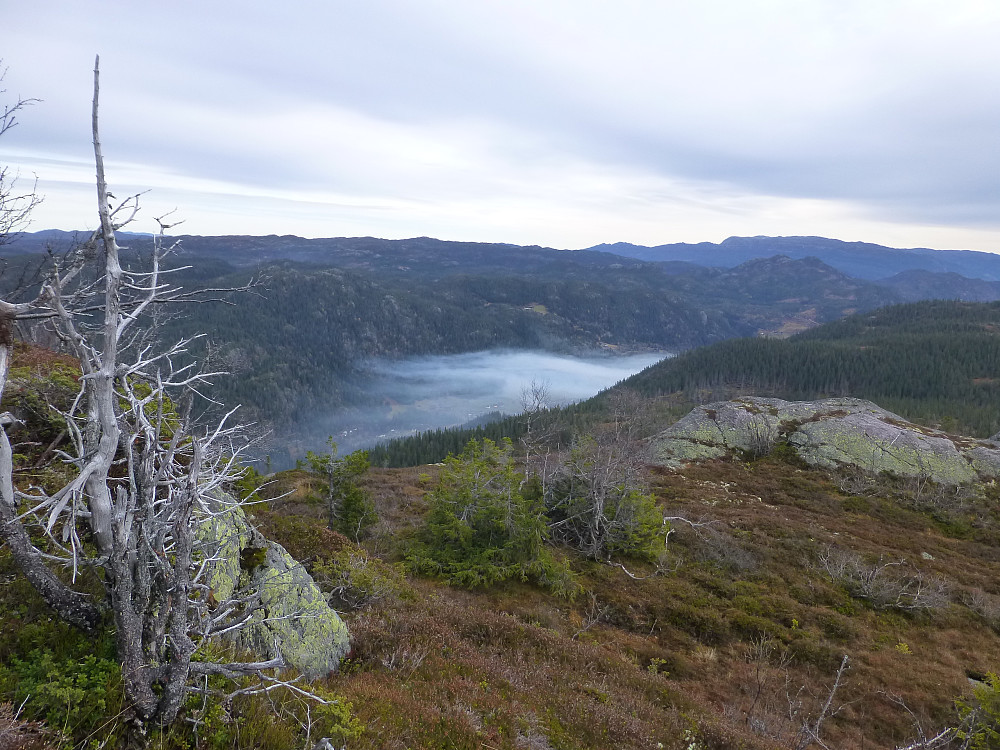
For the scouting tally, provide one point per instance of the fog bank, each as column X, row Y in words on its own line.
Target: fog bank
column 425, row 393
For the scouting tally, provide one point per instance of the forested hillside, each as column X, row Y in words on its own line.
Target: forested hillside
column 297, row 345
column 936, row 362
column 301, row 344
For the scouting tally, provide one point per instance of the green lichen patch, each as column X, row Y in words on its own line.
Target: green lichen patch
column 830, row 433
column 294, row 618
column 315, row 639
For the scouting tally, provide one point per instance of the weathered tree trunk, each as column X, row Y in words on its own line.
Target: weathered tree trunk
column 143, row 481
column 103, row 433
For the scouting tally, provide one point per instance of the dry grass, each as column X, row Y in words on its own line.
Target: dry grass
column 450, row 670
column 39, row 360
column 17, row 734
column 633, row 663
column 736, row 646
column 787, row 516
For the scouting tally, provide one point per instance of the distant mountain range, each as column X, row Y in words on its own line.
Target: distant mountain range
column 428, row 256
column 329, row 305
column 862, row 260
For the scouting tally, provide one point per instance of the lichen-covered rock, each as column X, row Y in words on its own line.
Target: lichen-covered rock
column 829, row 433
column 985, row 460
column 294, row 615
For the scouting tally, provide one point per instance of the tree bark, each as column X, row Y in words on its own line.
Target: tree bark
column 103, row 433
column 143, row 482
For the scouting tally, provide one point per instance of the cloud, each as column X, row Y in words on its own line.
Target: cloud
column 426, row 393
column 496, row 378
column 561, row 123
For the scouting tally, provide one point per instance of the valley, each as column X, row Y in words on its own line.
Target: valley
column 419, row 394
column 721, row 598
column 297, row 344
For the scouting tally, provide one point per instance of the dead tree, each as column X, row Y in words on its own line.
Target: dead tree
column 15, row 205
column 144, row 479
column 598, row 498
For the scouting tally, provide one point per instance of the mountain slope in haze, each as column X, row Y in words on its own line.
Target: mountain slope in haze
column 417, row 257
column 299, row 348
column 917, row 284
column 781, row 295
column 428, row 256
column 862, row 260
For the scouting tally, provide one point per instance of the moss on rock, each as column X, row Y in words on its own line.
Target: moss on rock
column 313, row 639
column 294, row 618
column 829, row 433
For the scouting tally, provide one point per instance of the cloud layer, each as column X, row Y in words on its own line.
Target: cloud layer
column 562, row 122
column 426, row 393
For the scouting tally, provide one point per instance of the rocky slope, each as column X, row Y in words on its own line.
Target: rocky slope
column 828, row 433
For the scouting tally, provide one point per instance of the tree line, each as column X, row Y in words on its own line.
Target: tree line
column 935, row 362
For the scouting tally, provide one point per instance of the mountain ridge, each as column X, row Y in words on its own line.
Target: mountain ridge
column 864, row 260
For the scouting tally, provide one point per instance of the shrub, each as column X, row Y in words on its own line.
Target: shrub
column 702, row 622
column 280, row 719
column 480, row 528
column 981, row 716
column 248, row 483
column 75, row 696
column 349, row 508
column 885, row 584
column 355, row 579
column 597, row 502
column 985, row 605
column 785, row 451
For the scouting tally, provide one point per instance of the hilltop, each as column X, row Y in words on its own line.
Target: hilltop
column 778, row 580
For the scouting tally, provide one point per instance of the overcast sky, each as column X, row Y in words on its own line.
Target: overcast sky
column 556, row 122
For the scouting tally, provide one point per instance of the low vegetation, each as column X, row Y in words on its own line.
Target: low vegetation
column 486, row 525
column 349, row 509
column 732, row 635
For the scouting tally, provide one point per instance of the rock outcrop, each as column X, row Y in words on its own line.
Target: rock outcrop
column 829, row 433
column 294, row 616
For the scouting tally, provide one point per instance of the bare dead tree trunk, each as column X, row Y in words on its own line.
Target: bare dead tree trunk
column 144, row 481
column 596, row 495
column 102, row 434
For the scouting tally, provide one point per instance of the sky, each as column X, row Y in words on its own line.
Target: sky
column 563, row 123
